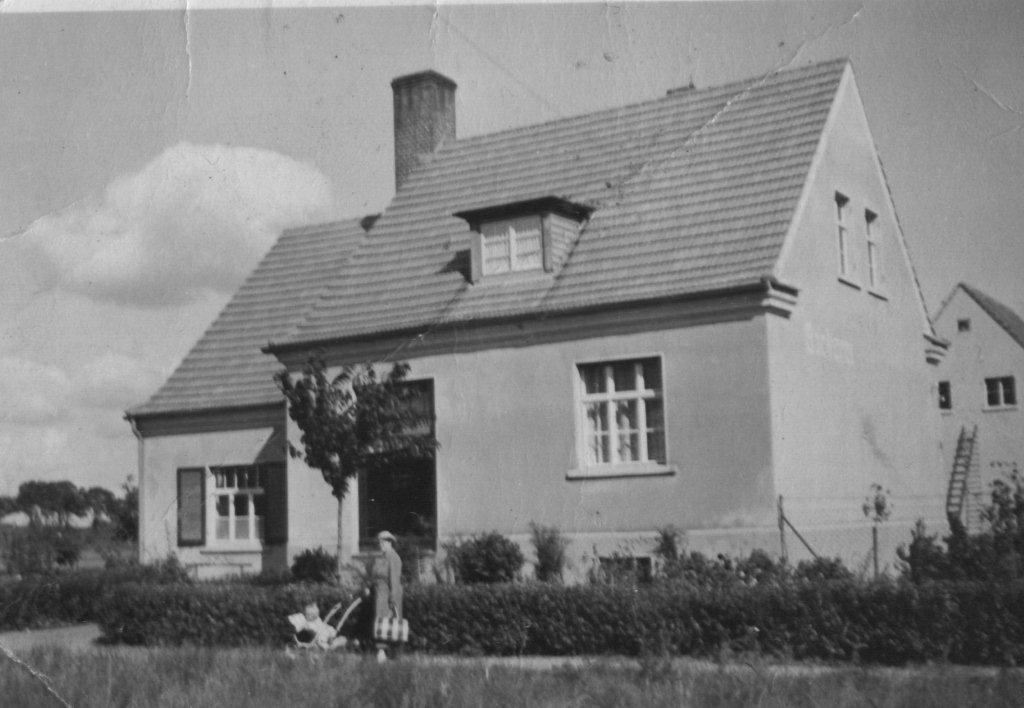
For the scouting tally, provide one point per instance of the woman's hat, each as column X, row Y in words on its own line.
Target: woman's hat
column 386, row 536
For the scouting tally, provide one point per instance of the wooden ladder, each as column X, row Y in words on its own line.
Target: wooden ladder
column 958, row 478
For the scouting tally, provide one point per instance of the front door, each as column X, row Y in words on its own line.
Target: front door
column 403, row 499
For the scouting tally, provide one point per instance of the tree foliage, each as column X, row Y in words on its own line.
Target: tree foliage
column 356, row 422
column 359, row 422
column 46, row 501
column 994, row 555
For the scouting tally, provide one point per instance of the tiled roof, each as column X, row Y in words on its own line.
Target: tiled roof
column 226, row 368
column 692, row 192
column 1003, row 315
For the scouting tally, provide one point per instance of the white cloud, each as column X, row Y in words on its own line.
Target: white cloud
column 116, row 381
column 32, row 393
column 41, row 451
column 196, row 218
column 36, row 394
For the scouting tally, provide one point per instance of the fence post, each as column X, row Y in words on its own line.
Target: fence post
column 782, row 533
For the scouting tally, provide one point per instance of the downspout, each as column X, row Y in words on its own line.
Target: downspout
column 141, row 447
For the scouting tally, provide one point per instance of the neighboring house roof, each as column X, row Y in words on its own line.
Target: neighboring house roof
column 1003, row 315
column 692, row 192
column 226, row 368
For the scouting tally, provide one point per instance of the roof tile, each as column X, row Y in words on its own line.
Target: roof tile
column 693, row 191
column 226, row 367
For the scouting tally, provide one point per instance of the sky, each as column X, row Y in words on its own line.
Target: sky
column 148, row 159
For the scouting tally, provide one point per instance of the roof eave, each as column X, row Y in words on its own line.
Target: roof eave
column 780, row 299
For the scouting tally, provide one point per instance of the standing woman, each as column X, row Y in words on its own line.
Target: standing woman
column 387, row 583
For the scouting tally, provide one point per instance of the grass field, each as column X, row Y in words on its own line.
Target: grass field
column 207, row 677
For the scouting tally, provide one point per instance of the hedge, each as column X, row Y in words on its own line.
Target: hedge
column 218, row 614
column 72, row 596
column 884, row 623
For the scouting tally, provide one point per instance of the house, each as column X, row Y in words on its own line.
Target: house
column 669, row 313
column 978, row 396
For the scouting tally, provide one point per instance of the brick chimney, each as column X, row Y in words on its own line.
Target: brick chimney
column 424, row 118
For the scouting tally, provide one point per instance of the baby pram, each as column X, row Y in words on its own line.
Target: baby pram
column 319, row 633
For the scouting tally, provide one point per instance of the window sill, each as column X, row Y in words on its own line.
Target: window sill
column 847, row 281
column 513, row 276
column 876, row 293
column 636, row 470
column 221, row 549
column 946, row 411
column 999, row 409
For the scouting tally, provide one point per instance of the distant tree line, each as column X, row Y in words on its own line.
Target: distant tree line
column 55, row 503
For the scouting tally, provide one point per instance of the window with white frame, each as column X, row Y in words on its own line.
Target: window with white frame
column 874, row 252
column 238, row 503
column 842, row 231
column 622, row 416
column 1001, row 392
column 512, row 245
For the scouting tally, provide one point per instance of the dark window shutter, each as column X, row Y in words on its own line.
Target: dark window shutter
column 275, row 491
column 192, row 506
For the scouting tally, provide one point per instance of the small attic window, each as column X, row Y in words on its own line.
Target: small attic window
column 963, row 325
column 532, row 235
column 512, row 245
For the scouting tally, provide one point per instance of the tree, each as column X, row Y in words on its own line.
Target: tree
column 45, row 501
column 100, row 500
column 8, row 505
column 876, row 507
column 356, row 423
column 125, row 511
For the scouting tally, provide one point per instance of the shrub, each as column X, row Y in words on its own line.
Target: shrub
column 489, row 558
column 759, row 567
column 163, row 572
column 884, row 623
column 75, row 596
column 995, row 555
column 822, row 570
column 315, row 566
column 550, row 546
column 215, row 614
column 668, row 546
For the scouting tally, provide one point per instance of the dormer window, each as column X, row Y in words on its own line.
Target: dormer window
column 529, row 236
column 512, row 245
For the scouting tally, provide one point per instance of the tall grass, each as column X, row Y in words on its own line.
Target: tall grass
column 209, row 677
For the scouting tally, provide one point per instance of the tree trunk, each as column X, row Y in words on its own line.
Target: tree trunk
column 341, row 561
column 875, row 548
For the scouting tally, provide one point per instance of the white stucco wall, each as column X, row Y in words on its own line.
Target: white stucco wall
column 985, row 351
column 173, row 443
column 506, row 420
column 852, row 394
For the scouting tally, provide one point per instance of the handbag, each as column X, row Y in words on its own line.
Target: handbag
column 391, row 629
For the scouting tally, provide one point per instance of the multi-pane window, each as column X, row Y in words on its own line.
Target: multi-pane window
column 945, row 396
column 622, row 412
column 238, row 503
column 842, row 231
column 874, row 253
column 512, row 245
column 1001, row 391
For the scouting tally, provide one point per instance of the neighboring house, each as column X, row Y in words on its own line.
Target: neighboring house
column 979, row 395
column 669, row 313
